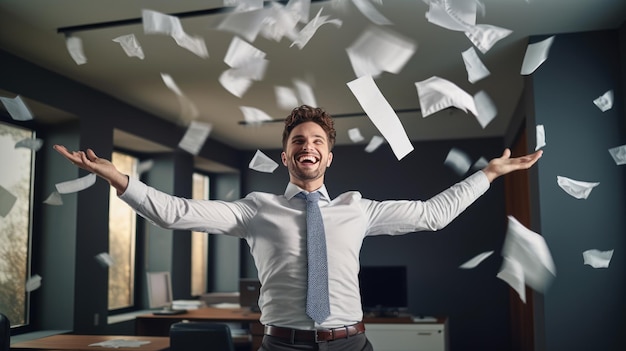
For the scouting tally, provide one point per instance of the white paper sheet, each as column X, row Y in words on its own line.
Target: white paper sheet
column 17, row 108
column 485, row 107
column 144, row 166
column 355, row 135
column 306, row 33
column 458, row 161
column 247, row 64
column 54, row 199
column 619, row 154
column 75, row 185
column 540, row 136
column 158, row 23
column 456, row 15
column 105, row 259
column 247, row 24
column 605, row 101
column 512, row 273
column 374, row 143
column 33, row 283
column 7, row 201
column 130, row 45
column 480, row 163
column 195, row 137
column 474, row 262
column 305, row 92
column 281, row 23
column 485, row 36
column 436, row 94
column 262, row 163
column 371, row 12
column 597, row 259
column 286, row 98
column 117, row 343
column 576, row 188
column 379, row 50
column 381, row 114
column 536, row 54
column 189, row 111
column 254, row 116
column 75, row 48
column 30, row 143
column 476, row 69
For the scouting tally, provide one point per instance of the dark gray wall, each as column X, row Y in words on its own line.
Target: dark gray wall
column 584, row 308
column 476, row 302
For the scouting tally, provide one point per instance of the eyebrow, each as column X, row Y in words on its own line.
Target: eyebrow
column 300, row 136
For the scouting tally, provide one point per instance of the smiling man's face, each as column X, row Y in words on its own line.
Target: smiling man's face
column 307, row 155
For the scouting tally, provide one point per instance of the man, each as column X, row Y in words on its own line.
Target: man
column 275, row 228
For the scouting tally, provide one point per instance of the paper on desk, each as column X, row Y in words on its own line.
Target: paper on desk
column 536, row 54
column 195, row 137
column 576, row 188
column 456, row 15
column 311, row 28
column 75, row 48
column 30, row 143
column 597, row 259
column 254, row 116
column 75, row 185
column 379, row 50
column 541, row 136
column 245, row 24
column 370, row 12
column 619, row 154
column 436, row 94
column 527, row 258
column 476, row 69
column 605, row 102
column 374, row 143
column 355, row 135
column 130, row 45
column 188, row 108
column 117, row 343
column 485, row 36
column 54, row 199
column 285, row 97
column 261, row 163
column 381, row 114
column 105, row 259
column 17, row 108
column 33, row 283
column 472, row 263
column 458, row 160
column 485, row 107
column 158, row 23
column 7, row 201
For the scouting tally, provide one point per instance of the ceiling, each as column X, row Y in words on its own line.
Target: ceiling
column 29, row 29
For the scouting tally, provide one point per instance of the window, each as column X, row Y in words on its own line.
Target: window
column 15, row 222
column 122, row 232
column 199, row 241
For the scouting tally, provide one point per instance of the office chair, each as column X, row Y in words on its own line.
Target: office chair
column 5, row 333
column 200, row 336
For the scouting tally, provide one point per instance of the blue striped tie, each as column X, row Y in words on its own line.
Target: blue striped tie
column 317, row 300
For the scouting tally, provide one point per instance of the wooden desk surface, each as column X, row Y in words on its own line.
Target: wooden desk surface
column 210, row 313
column 82, row 342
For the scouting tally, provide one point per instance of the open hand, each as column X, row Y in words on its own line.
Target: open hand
column 505, row 164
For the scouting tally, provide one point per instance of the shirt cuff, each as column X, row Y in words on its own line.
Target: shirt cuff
column 135, row 193
column 479, row 182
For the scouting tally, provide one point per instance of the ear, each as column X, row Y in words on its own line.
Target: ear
column 330, row 159
column 283, row 158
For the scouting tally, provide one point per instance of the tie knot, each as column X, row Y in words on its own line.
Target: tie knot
column 310, row 197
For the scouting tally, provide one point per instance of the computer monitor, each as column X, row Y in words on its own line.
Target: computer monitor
column 249, row 291
column 384, row 289
column 159, row 290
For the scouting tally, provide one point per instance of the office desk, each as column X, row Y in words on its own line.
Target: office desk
column 159, row 325
column 82, row 342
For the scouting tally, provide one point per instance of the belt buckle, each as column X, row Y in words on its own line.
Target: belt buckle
column 315, row 337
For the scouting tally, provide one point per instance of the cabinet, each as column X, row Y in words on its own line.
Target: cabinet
column 419, row 336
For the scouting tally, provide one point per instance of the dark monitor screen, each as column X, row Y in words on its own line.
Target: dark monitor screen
column 249, row 290
column 383, row 287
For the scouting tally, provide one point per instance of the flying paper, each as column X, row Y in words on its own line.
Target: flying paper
column 247, row 63
column 7, row 200
column 54, row 199
column 130, row 45
column 75, row 48
column 436, row 94
column 512, row 273
column 188, row 108
column 355, row 135
column 529, row 250
column 105, row 259
column 158, row 23
column 605, row 102
column 370, row 12
column 381, row 114
column 195, row 137
column 536, row 54
column 485, row 36
column 480, row 163
column 485, row 107
column 597, row 259
column 379, row 50
column 476, row 260
column 475, row 68
column 245, row 24
column 374, row 143
column 305, row 92
column 541, row 137
column 144, row 166
column 244, row 5
column 285, row 97
column 458, row 161
column 33, row 283
column 254, row 115
column 30, row 143
column 311, row 28
column 576, row 188
column 17, row 108
column 260, row 162
column 280, row 23
column 618, row 154
column 456, row 15
column 72, row 186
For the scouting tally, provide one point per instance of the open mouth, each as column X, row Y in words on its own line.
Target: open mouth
column 308, row 159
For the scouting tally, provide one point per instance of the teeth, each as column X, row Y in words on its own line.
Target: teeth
column 307, row 158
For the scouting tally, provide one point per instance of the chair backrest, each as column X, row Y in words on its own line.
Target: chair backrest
column 200, row 336
column 5, row 333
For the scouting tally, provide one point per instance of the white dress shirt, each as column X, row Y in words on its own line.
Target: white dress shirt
column 274, row 226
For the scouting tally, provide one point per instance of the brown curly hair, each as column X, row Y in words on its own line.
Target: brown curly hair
column 307, row 113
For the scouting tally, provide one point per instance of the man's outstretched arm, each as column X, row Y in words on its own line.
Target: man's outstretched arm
column 505, row 164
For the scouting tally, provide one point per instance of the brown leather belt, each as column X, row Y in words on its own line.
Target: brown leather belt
column 315, row 336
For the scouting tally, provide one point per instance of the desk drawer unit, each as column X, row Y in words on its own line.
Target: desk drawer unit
column 407, row 337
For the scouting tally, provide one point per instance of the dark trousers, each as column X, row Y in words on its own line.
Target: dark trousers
column 353, row 343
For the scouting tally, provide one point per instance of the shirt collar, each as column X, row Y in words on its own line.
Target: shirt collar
column 293, row 190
